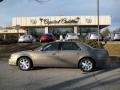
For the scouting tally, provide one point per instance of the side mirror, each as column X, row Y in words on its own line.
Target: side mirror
column 40, row 49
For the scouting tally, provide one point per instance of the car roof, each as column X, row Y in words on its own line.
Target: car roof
column 62, row 42
column 71, row 33
column 81, row 44
column 93, row 32
column 115, row 33
column 48, row 34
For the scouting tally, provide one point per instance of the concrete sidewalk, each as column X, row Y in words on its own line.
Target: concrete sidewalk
column 11, row 78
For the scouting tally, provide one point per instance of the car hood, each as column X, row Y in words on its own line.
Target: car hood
column 22, row 52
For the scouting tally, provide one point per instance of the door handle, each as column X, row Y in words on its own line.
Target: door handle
column 53, row 53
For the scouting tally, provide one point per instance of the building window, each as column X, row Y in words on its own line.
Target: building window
column 57, row 31
column 36, row 32
column 85, row 30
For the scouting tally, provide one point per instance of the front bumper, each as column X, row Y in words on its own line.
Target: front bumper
column 13, row 60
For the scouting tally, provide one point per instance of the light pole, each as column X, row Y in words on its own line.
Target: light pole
column 17, row 27
column 1, row 0
column 98, row 22
column 4, row 34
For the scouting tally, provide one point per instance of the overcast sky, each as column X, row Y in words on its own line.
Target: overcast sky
column 12, row 8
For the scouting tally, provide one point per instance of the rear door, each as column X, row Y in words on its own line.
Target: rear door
column 69, row 54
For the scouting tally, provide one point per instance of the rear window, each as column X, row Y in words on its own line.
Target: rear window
column 69, row 46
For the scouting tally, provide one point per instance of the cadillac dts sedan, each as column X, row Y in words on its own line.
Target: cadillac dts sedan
column 61, row 54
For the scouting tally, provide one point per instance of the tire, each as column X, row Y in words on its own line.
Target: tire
column 24, row 63
column 86, row 64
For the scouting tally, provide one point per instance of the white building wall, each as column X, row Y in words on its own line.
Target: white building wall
column 8, row 31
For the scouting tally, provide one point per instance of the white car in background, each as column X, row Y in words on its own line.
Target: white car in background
column 94, row 36
column 26, row 38
column 115, row 36
column 71, row 36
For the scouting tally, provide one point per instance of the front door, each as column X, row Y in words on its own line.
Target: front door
column 48, row 55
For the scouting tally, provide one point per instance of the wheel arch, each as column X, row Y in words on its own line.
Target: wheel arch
column 26, row 57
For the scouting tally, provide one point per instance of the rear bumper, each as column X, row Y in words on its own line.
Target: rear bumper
column 103, row 62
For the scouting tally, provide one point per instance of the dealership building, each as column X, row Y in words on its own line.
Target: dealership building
column 81, row 25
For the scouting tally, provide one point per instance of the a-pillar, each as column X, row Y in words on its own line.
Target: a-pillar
column 46, row 30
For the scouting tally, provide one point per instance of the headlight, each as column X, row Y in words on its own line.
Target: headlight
column 13, row 59
column 13, row 56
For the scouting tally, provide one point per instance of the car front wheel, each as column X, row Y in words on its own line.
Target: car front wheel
column 24, row 63
column 86, row 64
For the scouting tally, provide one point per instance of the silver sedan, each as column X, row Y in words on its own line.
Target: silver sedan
column 61, row 54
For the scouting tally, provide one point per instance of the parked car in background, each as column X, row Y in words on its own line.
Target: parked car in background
column 47, row 38
column 94, row 36
column 61, row 54
column 107, row 38
column 115, row 36
column 26, row 38
column 1, row 39
column 71, row 36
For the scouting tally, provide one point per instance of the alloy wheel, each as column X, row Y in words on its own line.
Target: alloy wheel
column 86, row 65
column 24, row 63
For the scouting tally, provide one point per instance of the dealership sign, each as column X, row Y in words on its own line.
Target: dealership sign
column 60, row 21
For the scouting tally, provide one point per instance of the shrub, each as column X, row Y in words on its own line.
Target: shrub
column 92, row 43
column 8, row 41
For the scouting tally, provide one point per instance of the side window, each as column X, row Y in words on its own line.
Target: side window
column 51, row 47
column 69, row 46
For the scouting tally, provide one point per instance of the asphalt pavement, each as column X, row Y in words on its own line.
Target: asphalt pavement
column 11, row 78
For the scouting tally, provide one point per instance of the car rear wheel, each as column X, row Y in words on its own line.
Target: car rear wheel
column 24, row 63
column 86, row 64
